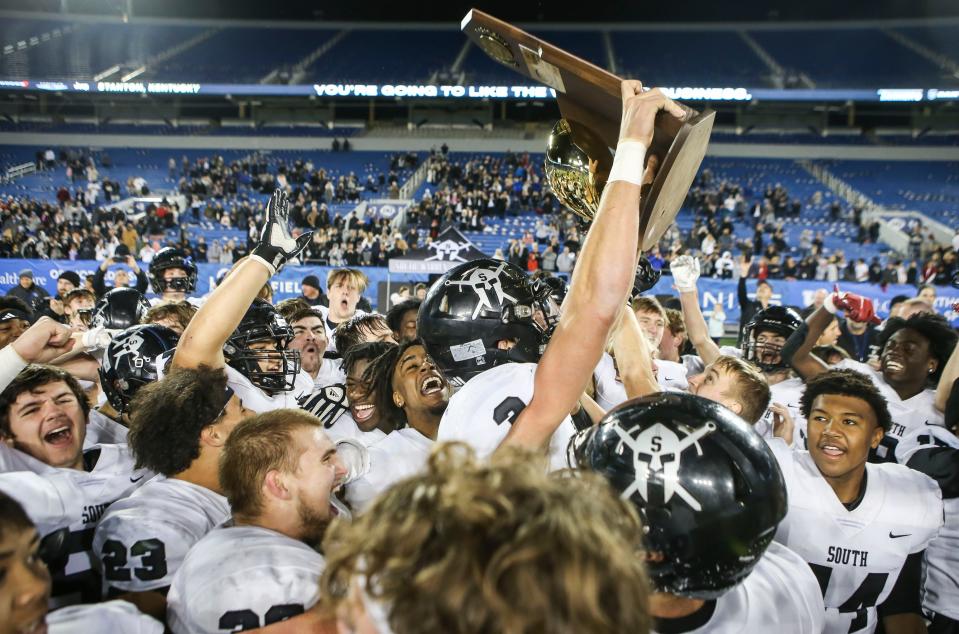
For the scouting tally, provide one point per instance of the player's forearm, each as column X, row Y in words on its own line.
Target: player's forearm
column 634, row 357
column 949, row 375
column 592, row 408
column 696, row 327
column 202, row 341
column 797, row 351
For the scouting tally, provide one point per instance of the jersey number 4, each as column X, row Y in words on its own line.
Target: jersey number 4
column 152, row 555
column 242, row 620
column 508, row 410
column 863, row 598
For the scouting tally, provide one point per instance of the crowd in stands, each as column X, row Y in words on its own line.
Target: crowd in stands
column 465, row 191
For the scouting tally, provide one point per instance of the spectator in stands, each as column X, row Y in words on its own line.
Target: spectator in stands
column 565, row 260
column 858, row 339
column 311, row 292
column 27, row 291
column 66, row 282
column 716, row 322
column 121, row 277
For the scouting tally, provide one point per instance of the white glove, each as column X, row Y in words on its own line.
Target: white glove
column 277, row 245
column 685, row 270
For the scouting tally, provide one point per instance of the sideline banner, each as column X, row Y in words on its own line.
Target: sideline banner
column 287, row 284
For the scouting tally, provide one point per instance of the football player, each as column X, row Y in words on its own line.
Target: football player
column 861, row 527
column 423, row 557
column 913, row 353
column 245, row 335
column 402, row 319
column 935, row 451
column 43, row 414
column 177, row 430
column 15, row 317
column 344, row 289
column 309, row 337
column 710, row 496
column 176, row 316
column 279, row 471
column 25, row 587
column 173, row 277
column 481, row 317
column 360, row 391
column 78, row 308
column 763, row 338
column 411, row 392
column 360, row 329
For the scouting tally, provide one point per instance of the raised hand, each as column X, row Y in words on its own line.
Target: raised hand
column 744, row 265
column 856, row 307
column 44, row 341
column 640, row 108
column 685, row 270
column 277, row 245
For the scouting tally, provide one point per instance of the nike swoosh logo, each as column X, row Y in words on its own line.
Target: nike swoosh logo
column 137, row 479
column 892, row 536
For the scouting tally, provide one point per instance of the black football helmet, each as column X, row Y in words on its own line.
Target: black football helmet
column 477, row 304
column 130, row 361
column 270, row 370
column 119, row 309
column 646, row 276
column 708, row 488
column 172, row 258
column 778, row 319
column 558, row 288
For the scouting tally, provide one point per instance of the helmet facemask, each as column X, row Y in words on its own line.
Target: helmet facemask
column 272, row 371
column 766, row 355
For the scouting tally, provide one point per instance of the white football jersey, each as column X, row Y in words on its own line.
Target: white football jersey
column 781, row 594
column 325, row 314
column 259, row 401
column 69, row 498
column 400, row 454
column 330, row 373
column 15, row 460
column 142, row 539
column 103, row 430
column 241, row 578
column 906, row 415
column 787, row 393
column 610, row 391
column 671, row 375
column 940, row 583
column 856, row 555
column 112, row 616
column 481, row 412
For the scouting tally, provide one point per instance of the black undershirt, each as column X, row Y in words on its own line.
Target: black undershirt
column 686, row 623
column 851, row 506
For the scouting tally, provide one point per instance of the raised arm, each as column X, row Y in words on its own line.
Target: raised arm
column 603, row 277
column 950, row 374
column 634, row 359
column 685, row 271
column 202, row 341
column 798, row 349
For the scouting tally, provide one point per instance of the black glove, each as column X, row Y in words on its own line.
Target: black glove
column 276, row 245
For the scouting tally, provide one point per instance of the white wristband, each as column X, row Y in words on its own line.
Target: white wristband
column 269, row 267
column 628, row 162
column 829, row 305
column 10, row 365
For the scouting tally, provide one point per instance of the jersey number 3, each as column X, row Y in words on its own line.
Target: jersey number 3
column 508, row 410
column 242, row 620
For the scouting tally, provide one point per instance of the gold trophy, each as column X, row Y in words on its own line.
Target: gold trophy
column 579, row 153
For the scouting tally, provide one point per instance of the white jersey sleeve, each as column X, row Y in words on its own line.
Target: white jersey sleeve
column 330, row 373
column 787, row 393
column 103, row 430
column 241, row 578
column 112, row 616
column 671, row 375
column 259, row 401
column 610, row 391
column 940, row 582
column 15, row 460
column 141, row 541
column 781, row 594
column 859, row 553
column 906, row 414
column 481, row 412
column 399, row 455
